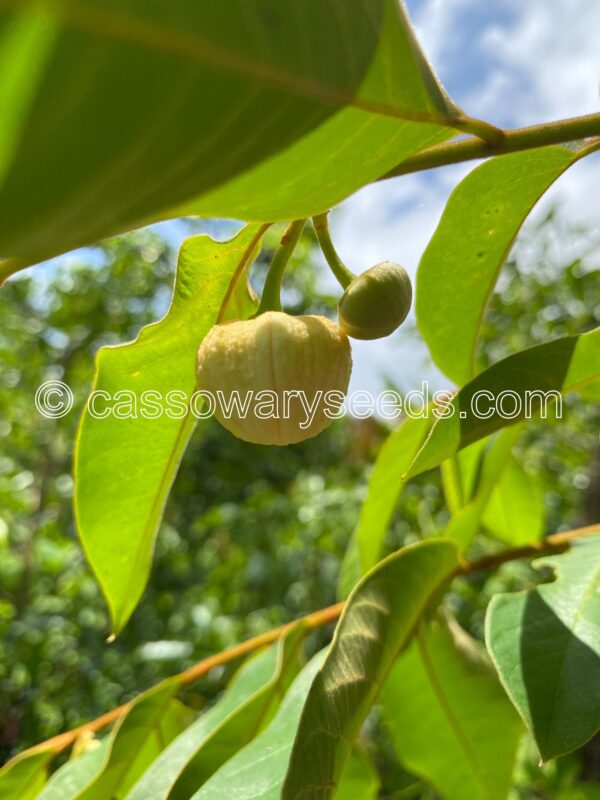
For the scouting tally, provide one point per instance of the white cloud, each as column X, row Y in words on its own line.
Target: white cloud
column 513, row 63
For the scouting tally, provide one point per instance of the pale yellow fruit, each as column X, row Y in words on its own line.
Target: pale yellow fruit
column 268, row 362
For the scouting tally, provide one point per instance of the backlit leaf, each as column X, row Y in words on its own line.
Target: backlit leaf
column 278, row 116
column 124, row 468
column 367, row 542
column 151, row 722
column 461, row 264
column 450, row 720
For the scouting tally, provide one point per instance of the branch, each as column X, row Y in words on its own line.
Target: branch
column 557, row 543
column 566, row 130
column 315, row 620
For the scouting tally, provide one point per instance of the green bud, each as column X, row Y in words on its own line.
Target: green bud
column 376, row 302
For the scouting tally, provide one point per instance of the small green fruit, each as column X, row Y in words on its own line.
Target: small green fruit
column 266, row 362
column 376, row 302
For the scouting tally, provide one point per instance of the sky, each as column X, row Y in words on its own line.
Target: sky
column 512, row 63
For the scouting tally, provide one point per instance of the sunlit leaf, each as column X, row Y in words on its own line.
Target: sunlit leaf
column 515, row 511
column 257, row 771
column 450, row 720
column 378, row 622
column 466, row 521
column 366, row 546
column 153, row 720
column 246, row 706
column 459, row 268
column 559, row 367
column 68, row 781
column 23, row 776
column 124, row 468
column 359, row 780
column 545, row 644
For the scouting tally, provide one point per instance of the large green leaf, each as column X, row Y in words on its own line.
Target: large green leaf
column 366, row 545
column 257, row 771
column 124, row 468
column 545, row 644
column 153, row 720
column 265, row 110
column 450, row 719
column 247, row 704
column 460, row 266
column 377, row 623
column 561, row 366
column 68, row 781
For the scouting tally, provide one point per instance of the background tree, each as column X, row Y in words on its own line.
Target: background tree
column 252, row 536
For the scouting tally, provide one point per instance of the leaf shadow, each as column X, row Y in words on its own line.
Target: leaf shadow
column 561, row 680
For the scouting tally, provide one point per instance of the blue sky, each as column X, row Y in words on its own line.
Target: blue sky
column 514, row 63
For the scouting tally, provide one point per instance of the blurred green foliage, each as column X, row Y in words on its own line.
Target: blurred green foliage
column 253, row 536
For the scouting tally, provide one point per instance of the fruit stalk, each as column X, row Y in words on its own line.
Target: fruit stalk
column 271, row 296
column 337, row 266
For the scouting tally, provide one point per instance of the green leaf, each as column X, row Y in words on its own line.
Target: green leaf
column 515, row 512
column 459, row 268
column 23, row 776
column 465, row 523
column 560, row 366
column 545, row 644
column 25, row 43
column 366, row 545
column 359, row 779
column 450, row 720
column 257, row 771
column 377, row 623
column 278, row 116
column 247, row 704
column 124, row 468
column 153, row 720
column 68, row 781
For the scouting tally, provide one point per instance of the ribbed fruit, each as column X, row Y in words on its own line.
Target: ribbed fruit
column 376, row 302
column 263, row 362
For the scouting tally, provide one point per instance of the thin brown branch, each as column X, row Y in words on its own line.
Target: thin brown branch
column 557, row 543
column 315, row 620
column 559, row 132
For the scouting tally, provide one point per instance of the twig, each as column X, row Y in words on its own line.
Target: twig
column 557, row 543
column 561, row 131
column 315, row 620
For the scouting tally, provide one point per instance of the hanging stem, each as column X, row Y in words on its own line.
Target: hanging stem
column 271, row 299
column 337, row 266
